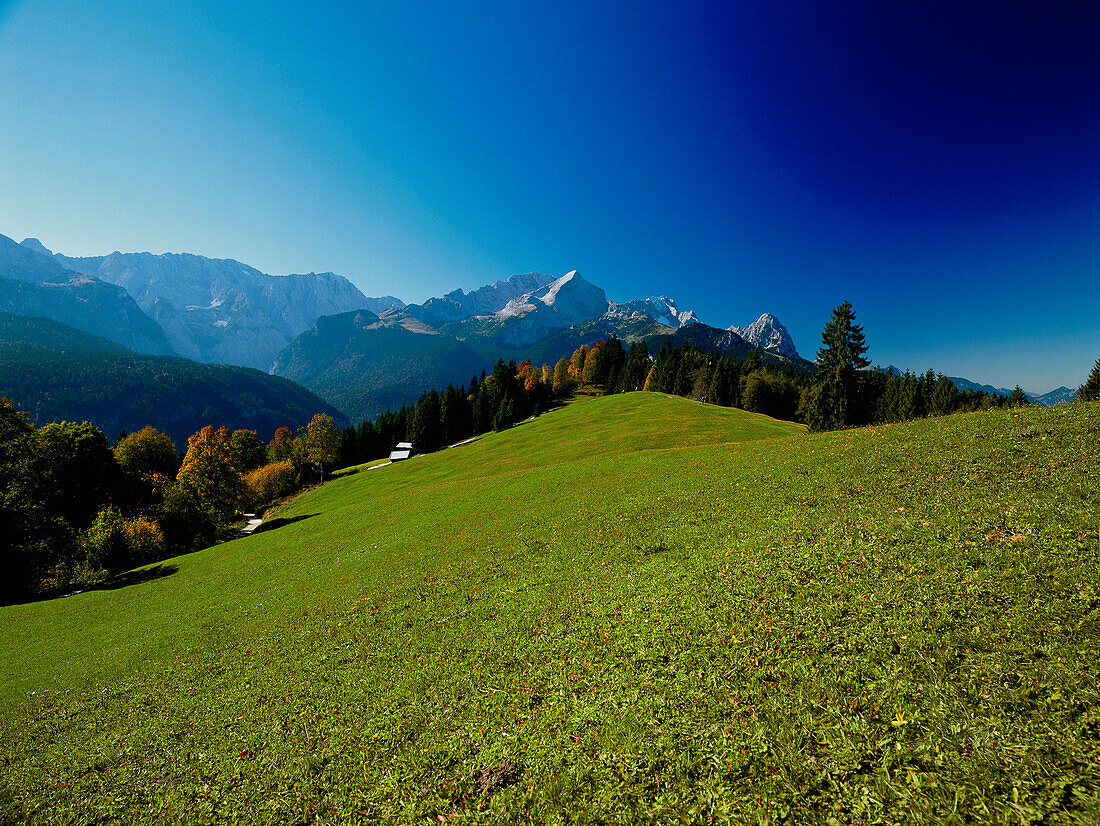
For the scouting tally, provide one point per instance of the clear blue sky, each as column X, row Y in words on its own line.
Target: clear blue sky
column 937, row 164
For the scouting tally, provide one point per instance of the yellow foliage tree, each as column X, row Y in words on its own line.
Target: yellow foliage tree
column 145, row 538
column 320, row 445
column 562, row 377
column 282, row 445
column 576, row 361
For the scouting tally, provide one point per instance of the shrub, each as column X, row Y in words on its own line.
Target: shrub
column 106, row 539
column 145, row 540
column 271, row 482
column 117, row 543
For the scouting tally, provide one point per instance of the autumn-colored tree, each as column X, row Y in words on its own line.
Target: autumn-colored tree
column 562, row 379
column 595, row 363
column 282, row 445
column 320, row 445
column 576, row 361
column 209, row 475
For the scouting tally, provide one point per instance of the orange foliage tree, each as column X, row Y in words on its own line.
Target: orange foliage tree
column 209, row 475
column 282, row 445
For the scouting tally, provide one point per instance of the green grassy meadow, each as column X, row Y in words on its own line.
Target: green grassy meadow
column 636, row 608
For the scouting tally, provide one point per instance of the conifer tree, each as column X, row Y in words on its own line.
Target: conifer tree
column 838, row 360
column 1090, row 390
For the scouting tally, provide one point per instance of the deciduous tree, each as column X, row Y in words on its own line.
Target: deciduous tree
column 320, row 446
column 247, row 449
column 209, row 475
column 282, row 445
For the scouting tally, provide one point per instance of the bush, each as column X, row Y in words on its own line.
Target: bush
column 144, row 539
column 186, row 525
column 117, row 543
column 106, row 539
column 270, row 482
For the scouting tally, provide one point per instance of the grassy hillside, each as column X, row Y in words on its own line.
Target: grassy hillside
column 58, row 373
column 636, row 608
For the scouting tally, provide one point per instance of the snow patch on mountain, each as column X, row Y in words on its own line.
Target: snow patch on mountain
column 484, row 301
column 570, row 297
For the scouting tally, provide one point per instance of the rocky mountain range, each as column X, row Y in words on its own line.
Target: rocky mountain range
column 220, row 310
column 362, row 354
column 769, row 334
column 34, row 285
column 365, row 362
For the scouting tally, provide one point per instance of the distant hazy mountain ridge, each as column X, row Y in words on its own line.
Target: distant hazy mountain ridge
column 219, row 310
column 1060, row 395
column 32, row 284
column 58, row 373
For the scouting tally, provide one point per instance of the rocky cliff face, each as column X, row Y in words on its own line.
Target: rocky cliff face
column 484, row 301
column 661, row 309
column 220, row 310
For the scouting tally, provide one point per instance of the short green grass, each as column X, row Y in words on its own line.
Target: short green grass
column 656, row 611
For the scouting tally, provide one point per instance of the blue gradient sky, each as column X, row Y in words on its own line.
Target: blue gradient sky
column 937, row 164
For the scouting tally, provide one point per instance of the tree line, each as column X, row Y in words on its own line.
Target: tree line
column 77, row 510
column 496, row 400
column 838, row 391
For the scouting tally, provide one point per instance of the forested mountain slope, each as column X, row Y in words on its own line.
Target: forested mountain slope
column 57, row 373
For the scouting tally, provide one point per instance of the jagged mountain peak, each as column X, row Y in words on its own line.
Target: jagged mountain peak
column 768, row 333
column 659, row 308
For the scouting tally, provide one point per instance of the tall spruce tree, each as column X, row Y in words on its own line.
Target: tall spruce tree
column 838, row 360
column 1090, row 390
